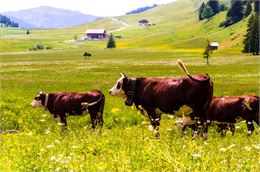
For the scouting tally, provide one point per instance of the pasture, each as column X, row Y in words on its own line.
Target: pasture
column 124, row 144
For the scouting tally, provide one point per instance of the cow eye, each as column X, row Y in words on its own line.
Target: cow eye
column 118, row 85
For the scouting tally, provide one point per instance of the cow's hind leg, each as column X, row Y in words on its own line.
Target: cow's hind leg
column 250, row 127
column 62, row 121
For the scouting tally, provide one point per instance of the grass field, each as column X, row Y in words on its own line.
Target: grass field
column 124, row 144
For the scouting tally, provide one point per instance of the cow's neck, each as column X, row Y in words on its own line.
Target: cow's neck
column 130, row 92
column 138, row 90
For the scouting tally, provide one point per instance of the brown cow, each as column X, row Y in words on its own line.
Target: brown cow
column 60, row 104
column 228, row 110
column 166, row 95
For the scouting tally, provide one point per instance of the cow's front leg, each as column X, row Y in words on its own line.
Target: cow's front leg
column 197, row 128
column 62, row 122
column 232, row 128
column 155, row 122
column 205, row 130
column 250, row 127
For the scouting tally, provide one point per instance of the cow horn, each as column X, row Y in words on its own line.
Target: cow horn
column 247, row 104
column 122, row 74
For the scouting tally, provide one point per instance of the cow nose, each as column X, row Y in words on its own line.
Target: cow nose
column 110, row 91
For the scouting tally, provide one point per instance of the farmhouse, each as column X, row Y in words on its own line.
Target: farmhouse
column 214, row 45
column 96, row 34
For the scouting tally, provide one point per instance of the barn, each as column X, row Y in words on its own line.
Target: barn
column 143, row 22
column 96, row 34
column 214, row 45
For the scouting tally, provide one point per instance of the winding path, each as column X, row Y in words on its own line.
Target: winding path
column 119, row 21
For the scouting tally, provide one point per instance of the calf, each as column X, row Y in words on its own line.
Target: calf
column 226, row 111
column 166, row 95
column 61, row 104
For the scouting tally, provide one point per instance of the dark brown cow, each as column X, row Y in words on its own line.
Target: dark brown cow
column 228, row 110
column 60, row 104
column 166, row 95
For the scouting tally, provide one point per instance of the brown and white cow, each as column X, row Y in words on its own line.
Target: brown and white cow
column 228, row 110
column 166, row 95
column 62, row 104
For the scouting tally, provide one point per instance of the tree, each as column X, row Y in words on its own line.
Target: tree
column 251, row 41
column 213, row 4
column 235, row 12
column 208, row 12
column 248, row 9
column 27, row 32
column 256, row 7
column 201, row 10
column 207, row 52
column 111, row 42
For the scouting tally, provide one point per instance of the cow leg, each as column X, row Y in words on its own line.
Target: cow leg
column 62, row 122
column 232, row 128
column 198, row 126
column 223, row 129
column 205, row 130
column 155, row 121
column 250, row 127
column 93, row 117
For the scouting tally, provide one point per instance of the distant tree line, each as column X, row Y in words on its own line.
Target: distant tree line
column 251, row 40
column 5, row 21
column 210, row 8
column 238, row 10
column 141, row 9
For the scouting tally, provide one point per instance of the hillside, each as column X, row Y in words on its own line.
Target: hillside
column 49, row 17
column 176, row 28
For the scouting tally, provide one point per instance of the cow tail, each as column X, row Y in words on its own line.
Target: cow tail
column 183, row 68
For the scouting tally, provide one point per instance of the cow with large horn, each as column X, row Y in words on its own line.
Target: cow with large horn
column 166, row 95
column 62, row 104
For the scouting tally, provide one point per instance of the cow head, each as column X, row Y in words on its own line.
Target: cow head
column 38, row 100
column 117, row 89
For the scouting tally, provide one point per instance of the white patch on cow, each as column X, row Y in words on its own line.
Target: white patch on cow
column 36, row 103
column 249, row 122
column 115, row 91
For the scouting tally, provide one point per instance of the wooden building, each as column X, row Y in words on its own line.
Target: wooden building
column 96, row 34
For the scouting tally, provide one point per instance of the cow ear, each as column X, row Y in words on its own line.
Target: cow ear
column 40, row 92
column 122, row 74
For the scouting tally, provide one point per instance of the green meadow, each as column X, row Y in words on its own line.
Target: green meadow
column 125, row 143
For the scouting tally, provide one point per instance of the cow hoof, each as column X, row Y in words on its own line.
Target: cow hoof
column 249, row 133
column 205, row 136
column 157, row 134
column 195, row 136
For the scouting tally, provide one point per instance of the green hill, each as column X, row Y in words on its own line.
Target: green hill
column 176, row 28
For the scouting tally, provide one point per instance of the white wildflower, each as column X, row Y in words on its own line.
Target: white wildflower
column 53, row 158
column 30, row 134
column 196, row 155
column 44, row 115
column 256, row 146
column 42, row 120
column 47, row 131
column 232, row 145
column 223, row 149
column 171, row 116
column 57, row 141
column 57, row 169
column 247, row 148
column 74, row 147
column 50, row 146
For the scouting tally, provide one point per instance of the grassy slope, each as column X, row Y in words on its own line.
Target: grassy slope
column 177, row 28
